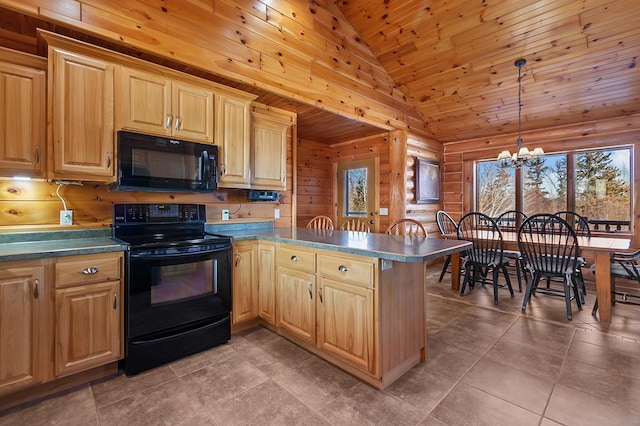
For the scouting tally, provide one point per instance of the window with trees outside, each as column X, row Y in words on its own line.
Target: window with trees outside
column 601, row 189
column 356, row 192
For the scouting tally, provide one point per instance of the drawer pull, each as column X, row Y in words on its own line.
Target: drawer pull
column 90, row 270
column 310, row 291
column 320, row 295
column 294, row 258
column 168, row 122
column 36, row 291
column 342, row 268
column 115, row 300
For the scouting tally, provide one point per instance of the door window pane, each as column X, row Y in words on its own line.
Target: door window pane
column 496, row 188
column 356, row 192
column 545, row 185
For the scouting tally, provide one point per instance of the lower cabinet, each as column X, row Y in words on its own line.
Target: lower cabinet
column 245, row 282
column 267, row 282
column 88, row 311
column 25, row 332
column 59, row 316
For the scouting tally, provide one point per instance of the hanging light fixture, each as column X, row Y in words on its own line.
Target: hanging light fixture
column 522, row 156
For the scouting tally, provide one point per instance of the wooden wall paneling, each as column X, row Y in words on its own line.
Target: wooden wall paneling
column 397, row 175
column 314, row 181
column 425, row 213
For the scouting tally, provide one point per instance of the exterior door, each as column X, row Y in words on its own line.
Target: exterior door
column 357, row 191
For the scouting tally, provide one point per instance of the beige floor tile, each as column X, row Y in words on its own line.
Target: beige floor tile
column 265, row 404
column 522, row 357
column 603, row 357
column 466, row 405
column 572, row 407
column 540, row 335
column 113, row 389
column 522, row 389
column 449, row 360
column 464, row 338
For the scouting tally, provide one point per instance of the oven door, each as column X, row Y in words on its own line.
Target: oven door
column 167, row 291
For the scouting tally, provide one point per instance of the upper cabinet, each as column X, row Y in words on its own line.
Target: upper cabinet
column 233, row 115
column 81, row 104
column 22, row 114
column 153, row 103
column 270, row 130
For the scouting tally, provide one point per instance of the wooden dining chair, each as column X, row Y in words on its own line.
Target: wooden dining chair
column 627, row 266
column 356, row 224
column 580, row 225
column 407, row 227
column 550, row 249
column 486, row 255
column 320, row 222
column 448, row 229
column 510, row 221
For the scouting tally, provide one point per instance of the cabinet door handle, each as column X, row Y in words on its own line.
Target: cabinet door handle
column 343, row 268
column 168, row 122
column 320, row 295
column 294, row 258
column 36, row 291
column 310, row 291
column 237, row 259
column 108, row 159
column 36, row 155
column 284, row 178
column 223, row 170
column 178, row 122
column 91, row 270
column 115, row 300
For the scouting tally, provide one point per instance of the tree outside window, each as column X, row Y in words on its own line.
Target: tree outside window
column 356, row 191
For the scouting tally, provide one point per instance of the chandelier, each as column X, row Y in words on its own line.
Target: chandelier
column 522, row 156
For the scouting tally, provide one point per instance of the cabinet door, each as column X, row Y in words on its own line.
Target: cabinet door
column 144, row 102
column 267, row 282
column 269, row 152
column 88, row 326
column 232, row 138
column 193, row 112
column 245, row 282
column 83, row 133
column 22, row 120
column 296, row 303
column 24, row 341
column 345, row 323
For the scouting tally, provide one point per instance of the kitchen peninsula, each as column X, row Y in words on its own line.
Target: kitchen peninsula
column 355, row 299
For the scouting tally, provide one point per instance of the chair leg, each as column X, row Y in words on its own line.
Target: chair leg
column 595, row 307
column 465, row 280
column 577, row 291
column 508, row 280
column 567, row 295
column 495, row 285
column 444, row 268
column 519, row 274
column 527, row 294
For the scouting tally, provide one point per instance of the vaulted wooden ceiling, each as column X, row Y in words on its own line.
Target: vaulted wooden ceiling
column 454, row 60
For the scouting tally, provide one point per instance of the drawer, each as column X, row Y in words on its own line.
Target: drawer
column 296, row 258
column 347, row 269
column 86, row 269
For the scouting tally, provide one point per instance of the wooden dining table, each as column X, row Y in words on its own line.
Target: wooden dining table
column 598, row 248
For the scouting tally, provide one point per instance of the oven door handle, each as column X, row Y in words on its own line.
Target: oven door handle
column 146, row 256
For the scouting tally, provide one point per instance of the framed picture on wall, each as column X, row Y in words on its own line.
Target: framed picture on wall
column 427, row 181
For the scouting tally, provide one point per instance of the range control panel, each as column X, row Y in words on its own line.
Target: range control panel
column 150, row 213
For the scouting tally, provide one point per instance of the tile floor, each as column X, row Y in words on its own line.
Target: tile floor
column 486, row 365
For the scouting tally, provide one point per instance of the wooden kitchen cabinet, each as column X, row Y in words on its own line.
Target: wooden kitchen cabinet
column 269, row 136
column 296, row 293
column 155, row 104
column 245, row 282
column 345, row 313
column 89, row 313
column 233, row 114
column 267, row 282
column 25, row 325
column 81, row 104
column 22, row 114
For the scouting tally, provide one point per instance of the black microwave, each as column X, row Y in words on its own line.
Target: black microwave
column 153, row 163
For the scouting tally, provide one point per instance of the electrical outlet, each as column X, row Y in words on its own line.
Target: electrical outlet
column 276, row 213
column 225, row 214
column 66, row 217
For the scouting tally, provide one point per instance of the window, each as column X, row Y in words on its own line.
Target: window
column 356, row 192
column 601, row 191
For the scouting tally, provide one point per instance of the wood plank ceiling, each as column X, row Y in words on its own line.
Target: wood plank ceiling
column 454, row 60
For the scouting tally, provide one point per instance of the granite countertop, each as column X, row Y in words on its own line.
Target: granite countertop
column 36, row 245
column 391, row 247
